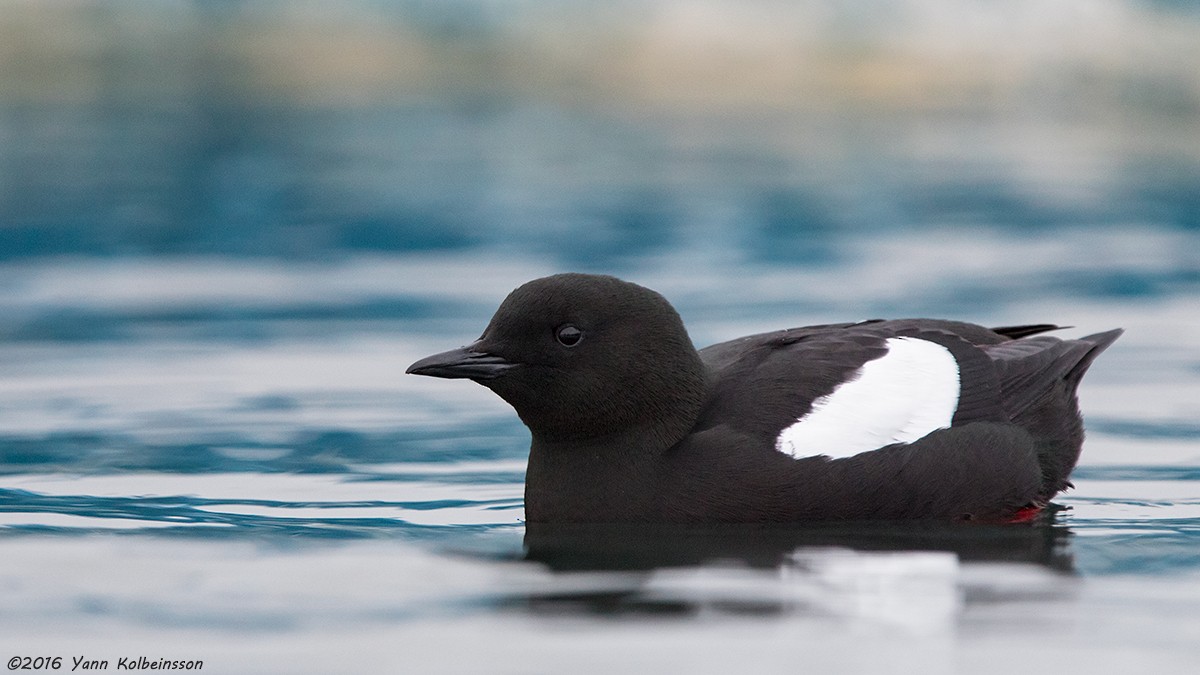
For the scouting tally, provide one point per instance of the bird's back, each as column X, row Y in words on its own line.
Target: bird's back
column 774, row 387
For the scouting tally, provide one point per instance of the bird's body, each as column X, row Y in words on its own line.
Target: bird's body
column 875, row 420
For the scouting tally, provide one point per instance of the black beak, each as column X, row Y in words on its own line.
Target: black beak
column 464, row 362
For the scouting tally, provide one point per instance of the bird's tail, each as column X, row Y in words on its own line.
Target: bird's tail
column 1039, row 377
column 1097, row 342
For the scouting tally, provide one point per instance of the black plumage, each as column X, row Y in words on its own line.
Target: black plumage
column 630, row 422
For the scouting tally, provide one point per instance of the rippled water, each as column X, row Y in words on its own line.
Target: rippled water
column 227, row 463
column 220, row 252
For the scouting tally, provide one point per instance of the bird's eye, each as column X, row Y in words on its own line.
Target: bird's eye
column 568, row 335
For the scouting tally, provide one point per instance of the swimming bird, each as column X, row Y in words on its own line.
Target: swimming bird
column 874, row 420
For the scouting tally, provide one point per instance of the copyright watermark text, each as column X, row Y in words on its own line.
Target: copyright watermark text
column 84, row 663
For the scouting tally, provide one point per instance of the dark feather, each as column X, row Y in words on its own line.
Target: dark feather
column 1018, row 332
column 1038, row 380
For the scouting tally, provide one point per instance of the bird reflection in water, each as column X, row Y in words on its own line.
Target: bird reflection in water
column 912, row 573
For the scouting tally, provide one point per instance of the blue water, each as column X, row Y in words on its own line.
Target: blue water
column 227, row 228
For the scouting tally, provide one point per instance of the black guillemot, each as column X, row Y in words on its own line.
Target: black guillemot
column 875, row 420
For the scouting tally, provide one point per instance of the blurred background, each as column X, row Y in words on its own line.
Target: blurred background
column 227, row 226
column 594, row 135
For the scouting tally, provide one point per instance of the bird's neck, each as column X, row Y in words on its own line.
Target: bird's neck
column 611, row 478
column 581, row 475
column 607, row 480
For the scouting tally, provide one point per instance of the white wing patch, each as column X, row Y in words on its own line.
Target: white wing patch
column 897, row 398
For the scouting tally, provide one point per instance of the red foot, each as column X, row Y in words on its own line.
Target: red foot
column 1025, row 514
